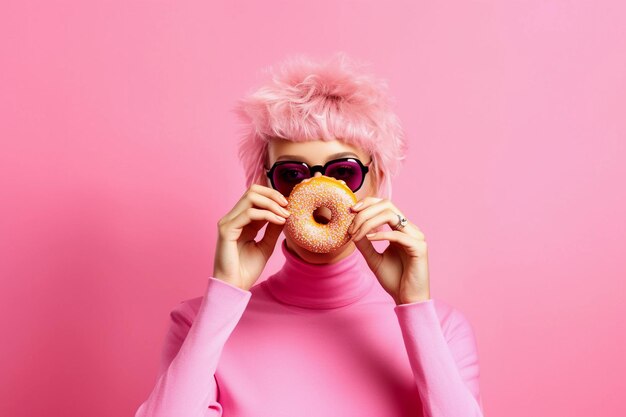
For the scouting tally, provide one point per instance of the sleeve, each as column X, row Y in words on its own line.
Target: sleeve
column 444, row 359
column 186, row 384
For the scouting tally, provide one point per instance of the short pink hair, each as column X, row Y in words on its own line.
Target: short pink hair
column 335, row 99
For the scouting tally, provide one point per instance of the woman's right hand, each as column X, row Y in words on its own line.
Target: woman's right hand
column 239, row 259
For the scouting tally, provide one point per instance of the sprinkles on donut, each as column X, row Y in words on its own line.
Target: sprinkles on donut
column 308, row 196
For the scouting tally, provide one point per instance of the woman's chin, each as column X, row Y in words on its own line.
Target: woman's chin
column 316, row 257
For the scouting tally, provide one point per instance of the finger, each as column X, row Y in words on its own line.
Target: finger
column 385, row 217
column 268, row 243
column 371, row 255
column 366, row 202
column 252, row 214
column 365, row 214
column 412, row 246
column 251, row 230
column 411, row 230
column 262, row 201
column 270, row 193
column 376, row 205
column 254, row 199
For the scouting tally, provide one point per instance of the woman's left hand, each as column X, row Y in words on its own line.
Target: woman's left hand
column 402, row 269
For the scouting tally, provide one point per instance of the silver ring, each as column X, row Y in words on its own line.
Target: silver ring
column 402, row 221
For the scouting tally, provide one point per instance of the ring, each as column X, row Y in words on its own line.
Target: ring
column 402, row 221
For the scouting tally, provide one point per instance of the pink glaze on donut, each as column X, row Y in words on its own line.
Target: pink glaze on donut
column 305, row 198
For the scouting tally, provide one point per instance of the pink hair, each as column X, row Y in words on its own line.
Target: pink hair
column 331, row 100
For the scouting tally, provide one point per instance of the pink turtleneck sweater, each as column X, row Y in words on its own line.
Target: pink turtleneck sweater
column 315, row 340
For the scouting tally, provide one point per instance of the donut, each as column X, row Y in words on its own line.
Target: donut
column 309, row 195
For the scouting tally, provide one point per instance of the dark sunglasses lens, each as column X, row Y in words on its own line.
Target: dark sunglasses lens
column 286, row 176
column 348, row 171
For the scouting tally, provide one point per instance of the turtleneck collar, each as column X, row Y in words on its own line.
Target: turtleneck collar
column 319, row 286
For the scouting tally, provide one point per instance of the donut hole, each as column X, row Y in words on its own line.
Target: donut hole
column 322, row 215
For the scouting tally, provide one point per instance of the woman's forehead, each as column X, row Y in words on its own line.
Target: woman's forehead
column 310, row 151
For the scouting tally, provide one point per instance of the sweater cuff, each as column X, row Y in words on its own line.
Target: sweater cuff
column 228, row 287
column 419, row 313
column 430, row 300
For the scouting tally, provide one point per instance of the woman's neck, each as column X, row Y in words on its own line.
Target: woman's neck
column 324, row 285
column 321, row 258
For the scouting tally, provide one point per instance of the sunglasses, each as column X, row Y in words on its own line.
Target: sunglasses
column 284, row 175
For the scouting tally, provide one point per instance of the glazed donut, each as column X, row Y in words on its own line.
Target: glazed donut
column 309, row 195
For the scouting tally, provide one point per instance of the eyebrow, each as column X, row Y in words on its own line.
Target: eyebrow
column 300, row 158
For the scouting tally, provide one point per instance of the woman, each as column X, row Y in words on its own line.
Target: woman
column 350, row 333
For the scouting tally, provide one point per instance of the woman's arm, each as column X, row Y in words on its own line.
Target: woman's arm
column 444, row 359
column 191, row 352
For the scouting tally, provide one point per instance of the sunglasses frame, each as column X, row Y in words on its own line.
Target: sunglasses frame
column 320, row 168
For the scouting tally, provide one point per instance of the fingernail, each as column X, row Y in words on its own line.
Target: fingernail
column 285, row 212
column 357, row 205
column 282, row 219
column 370, row 234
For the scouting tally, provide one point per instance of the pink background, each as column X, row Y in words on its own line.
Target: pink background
column 119, row 157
